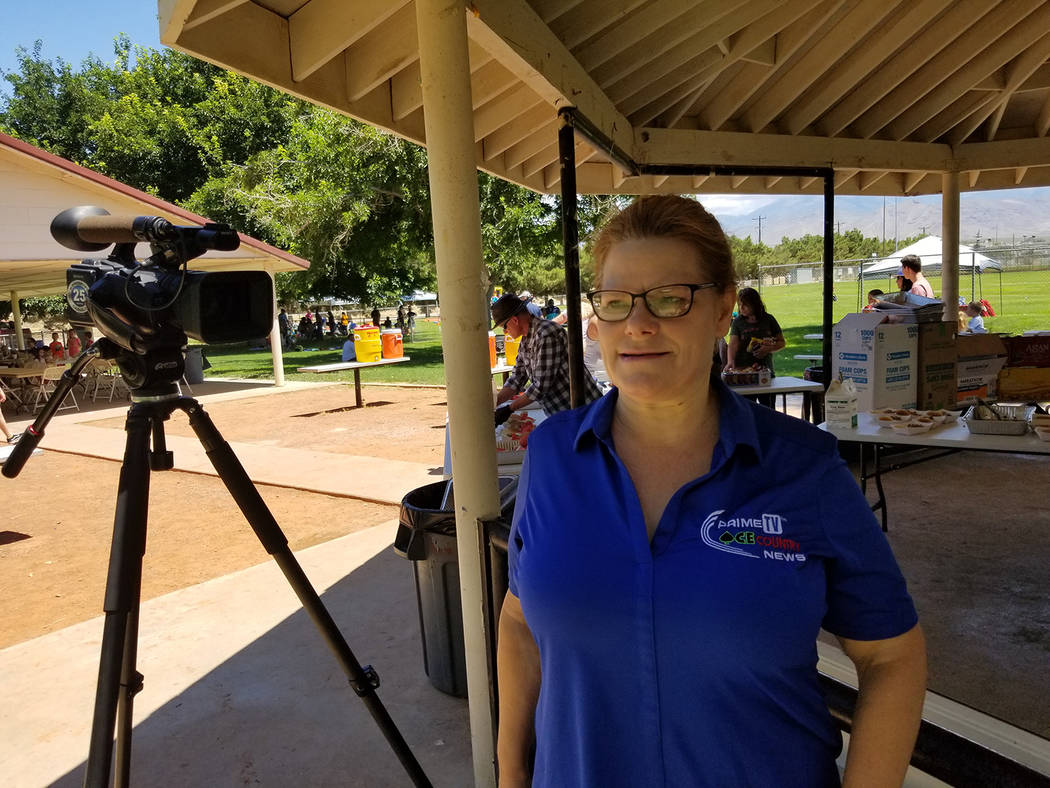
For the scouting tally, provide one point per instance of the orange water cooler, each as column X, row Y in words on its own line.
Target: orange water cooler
column 492, row 348
column 393, row 345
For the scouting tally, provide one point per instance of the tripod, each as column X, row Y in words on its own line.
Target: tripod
column 118, row 679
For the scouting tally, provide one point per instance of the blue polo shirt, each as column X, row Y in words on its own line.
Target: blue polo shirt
column 691, row 660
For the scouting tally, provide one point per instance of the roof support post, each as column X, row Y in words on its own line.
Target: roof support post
column 570, row 237
column 829, row 274
column 17, row 312
column 950, row 245
column 276, row 340
column 463, row 284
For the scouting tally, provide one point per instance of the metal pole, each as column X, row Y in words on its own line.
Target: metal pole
column 829, row 273
column 950, row 245
column 16, row 310
column 462, row 283
column 571, row 245
column 276, row 348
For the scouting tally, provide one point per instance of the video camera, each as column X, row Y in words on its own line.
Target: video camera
column 148, row 309
column 152, row 304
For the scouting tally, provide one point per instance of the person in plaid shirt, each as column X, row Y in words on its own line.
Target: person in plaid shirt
column 541, row 372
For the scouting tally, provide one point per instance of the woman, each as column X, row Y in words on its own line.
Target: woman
column 754, row 335
column 675, row 551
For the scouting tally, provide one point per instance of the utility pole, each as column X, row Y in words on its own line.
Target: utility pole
column 759, row 220
column 883, row 247
column 923, row 228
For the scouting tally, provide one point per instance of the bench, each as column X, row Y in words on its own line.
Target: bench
column 356, row 366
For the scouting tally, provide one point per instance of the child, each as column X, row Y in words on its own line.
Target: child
column 873, row 299
column 976, row 324
column 56, row 348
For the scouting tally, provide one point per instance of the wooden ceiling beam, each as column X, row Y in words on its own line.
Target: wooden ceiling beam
column 1017, row 73
column 1002, row 154
column 912, row 179
column 628, row 46
column 642, row 90
column 812, row 65
column 760, row 34
column 961, row 115
column 895, row 71
column 550, row 10
column 883, row 42
column 488, row 79
column 1040, row 80
column 867, row 179
column 386, row 50
column 593, row 20
column 903, row 109
column 751, row 77
column 1042, row 121
column 206, row 10
column 993, row 124
column 322, row 29
column 1028, row 35
column 680, row 146
column 518, row 38
column 517, row 129
column 512, row 102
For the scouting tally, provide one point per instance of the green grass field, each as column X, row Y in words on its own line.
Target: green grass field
column 1024, row 306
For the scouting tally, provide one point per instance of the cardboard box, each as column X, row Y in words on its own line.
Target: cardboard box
column 878, row 357
column 1028, row 351
column 980, row 358
column 1024, row 384
column 936, row 376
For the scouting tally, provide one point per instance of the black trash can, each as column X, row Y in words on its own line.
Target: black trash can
column 816, row 374
column 426, row 535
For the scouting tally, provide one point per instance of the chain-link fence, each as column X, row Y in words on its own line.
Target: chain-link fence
column 1013, row 279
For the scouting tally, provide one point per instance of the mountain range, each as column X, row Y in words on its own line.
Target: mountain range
column 999, row 218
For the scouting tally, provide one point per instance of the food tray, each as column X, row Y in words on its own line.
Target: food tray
column 994, row 427
column 758, row 377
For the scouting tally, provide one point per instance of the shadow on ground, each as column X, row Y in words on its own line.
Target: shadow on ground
column 280, row 712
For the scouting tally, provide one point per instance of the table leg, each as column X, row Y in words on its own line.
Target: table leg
column 881, row 503
column 357, row 388
column 806, row 413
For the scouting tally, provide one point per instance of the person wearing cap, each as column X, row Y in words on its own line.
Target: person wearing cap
column 911, row 269
column 541, row 372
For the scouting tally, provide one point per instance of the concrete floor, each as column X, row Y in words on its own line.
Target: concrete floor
column 239, row 686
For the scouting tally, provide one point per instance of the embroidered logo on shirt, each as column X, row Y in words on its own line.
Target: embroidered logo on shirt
column 753, row 537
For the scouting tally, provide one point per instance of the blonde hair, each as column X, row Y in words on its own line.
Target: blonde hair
column 670, row 216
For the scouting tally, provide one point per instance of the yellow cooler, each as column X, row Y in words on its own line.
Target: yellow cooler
column 510, row 349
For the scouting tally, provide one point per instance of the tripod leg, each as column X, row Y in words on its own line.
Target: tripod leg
column 117, row 679
column 363, row 680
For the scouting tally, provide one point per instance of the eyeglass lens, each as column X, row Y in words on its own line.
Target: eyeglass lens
column 668, row 301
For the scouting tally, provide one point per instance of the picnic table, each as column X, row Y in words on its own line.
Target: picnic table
column 356, row 366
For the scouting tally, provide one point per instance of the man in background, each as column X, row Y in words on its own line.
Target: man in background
column 541, row 372
column 911, row 269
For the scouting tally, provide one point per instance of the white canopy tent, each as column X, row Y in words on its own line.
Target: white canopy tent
column 928, row 250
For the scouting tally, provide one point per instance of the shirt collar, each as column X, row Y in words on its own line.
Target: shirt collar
column 736, row 421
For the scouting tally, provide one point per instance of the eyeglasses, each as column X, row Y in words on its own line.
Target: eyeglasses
column 612, row 306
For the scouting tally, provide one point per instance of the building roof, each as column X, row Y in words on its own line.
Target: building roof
column 36, row 185
column 891, row 93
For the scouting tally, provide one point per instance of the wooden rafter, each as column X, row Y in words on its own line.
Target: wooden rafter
column 322, row 29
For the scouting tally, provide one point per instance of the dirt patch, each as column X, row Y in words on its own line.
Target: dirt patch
column 394, row 424
column 54, row 548
column 972, row 535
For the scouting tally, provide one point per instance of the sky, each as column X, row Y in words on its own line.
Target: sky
column 73, row 29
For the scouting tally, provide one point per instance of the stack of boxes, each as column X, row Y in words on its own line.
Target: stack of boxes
column 880, row 358
column 936, row 370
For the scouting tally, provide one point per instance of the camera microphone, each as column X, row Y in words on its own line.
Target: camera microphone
column 87, row 228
